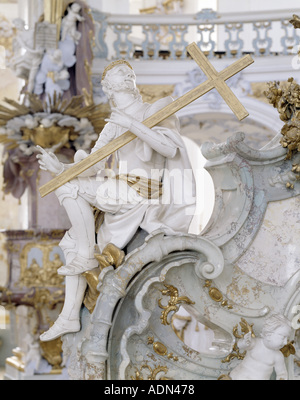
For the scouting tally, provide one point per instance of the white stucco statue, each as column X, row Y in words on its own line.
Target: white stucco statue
column 263, row 354
column 150, row 186
column 69, row 23
column 26, row 65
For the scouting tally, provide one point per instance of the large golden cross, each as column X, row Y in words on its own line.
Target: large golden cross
column 215, row 80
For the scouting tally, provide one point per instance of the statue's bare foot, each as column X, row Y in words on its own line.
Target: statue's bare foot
column 78, row 266
column 61, row 327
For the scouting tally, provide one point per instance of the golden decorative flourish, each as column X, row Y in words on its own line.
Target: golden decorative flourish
column 216, row 295
column 173, row 303
column 245, row 329
column 52, row 352
column 34, row 275
column 153, row 373
column 96, row 114
column 111, row 256
column 288, row 350
column 161, row 350
column 295, row 21
column 48, row 137
column 286, row 98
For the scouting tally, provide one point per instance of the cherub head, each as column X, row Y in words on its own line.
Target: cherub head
column 75, row 7
column 276, row 331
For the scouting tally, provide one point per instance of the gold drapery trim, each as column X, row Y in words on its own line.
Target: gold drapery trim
column 147, row 188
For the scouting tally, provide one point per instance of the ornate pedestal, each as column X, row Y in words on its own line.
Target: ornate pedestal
column 243, row 268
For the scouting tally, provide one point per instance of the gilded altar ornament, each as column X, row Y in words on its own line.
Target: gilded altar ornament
column 44, row 272
column 173, row 304
column 161, row 350
column 52, row 353
column 153, row 373
column 55, row 124
column 216, row 295
column 111, row 256
column 33, row 121
column 285, row 98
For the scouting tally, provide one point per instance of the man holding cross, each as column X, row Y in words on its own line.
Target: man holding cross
column 148, row 147
column 141, row 192
column 137, row 184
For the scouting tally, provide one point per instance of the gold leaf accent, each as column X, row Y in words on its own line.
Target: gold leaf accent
column 111, row 256
column 173, row 303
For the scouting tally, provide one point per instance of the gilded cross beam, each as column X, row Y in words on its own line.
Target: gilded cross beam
column 215, row 80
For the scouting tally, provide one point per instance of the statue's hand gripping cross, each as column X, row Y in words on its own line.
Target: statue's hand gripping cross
column 215, row 80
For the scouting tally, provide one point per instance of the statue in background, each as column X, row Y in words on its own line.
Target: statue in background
column 139, row 192
column 58, row 53
column 69, row 23
column 26, row 65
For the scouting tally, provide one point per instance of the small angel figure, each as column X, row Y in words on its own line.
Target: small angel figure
column 69, row 23
column 263, row 354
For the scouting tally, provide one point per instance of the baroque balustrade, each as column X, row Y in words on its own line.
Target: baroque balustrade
column 154, row 37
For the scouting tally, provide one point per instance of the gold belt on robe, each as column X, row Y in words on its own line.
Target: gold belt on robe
column 147, row 188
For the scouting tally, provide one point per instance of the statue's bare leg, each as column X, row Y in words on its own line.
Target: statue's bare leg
column 83, row 224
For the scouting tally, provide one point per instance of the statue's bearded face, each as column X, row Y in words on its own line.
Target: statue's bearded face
column 120, row 79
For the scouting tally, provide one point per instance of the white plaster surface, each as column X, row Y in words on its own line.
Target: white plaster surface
column 274, row 256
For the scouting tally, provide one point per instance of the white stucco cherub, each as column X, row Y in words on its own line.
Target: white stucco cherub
column 69, row 23
column 263, row 354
